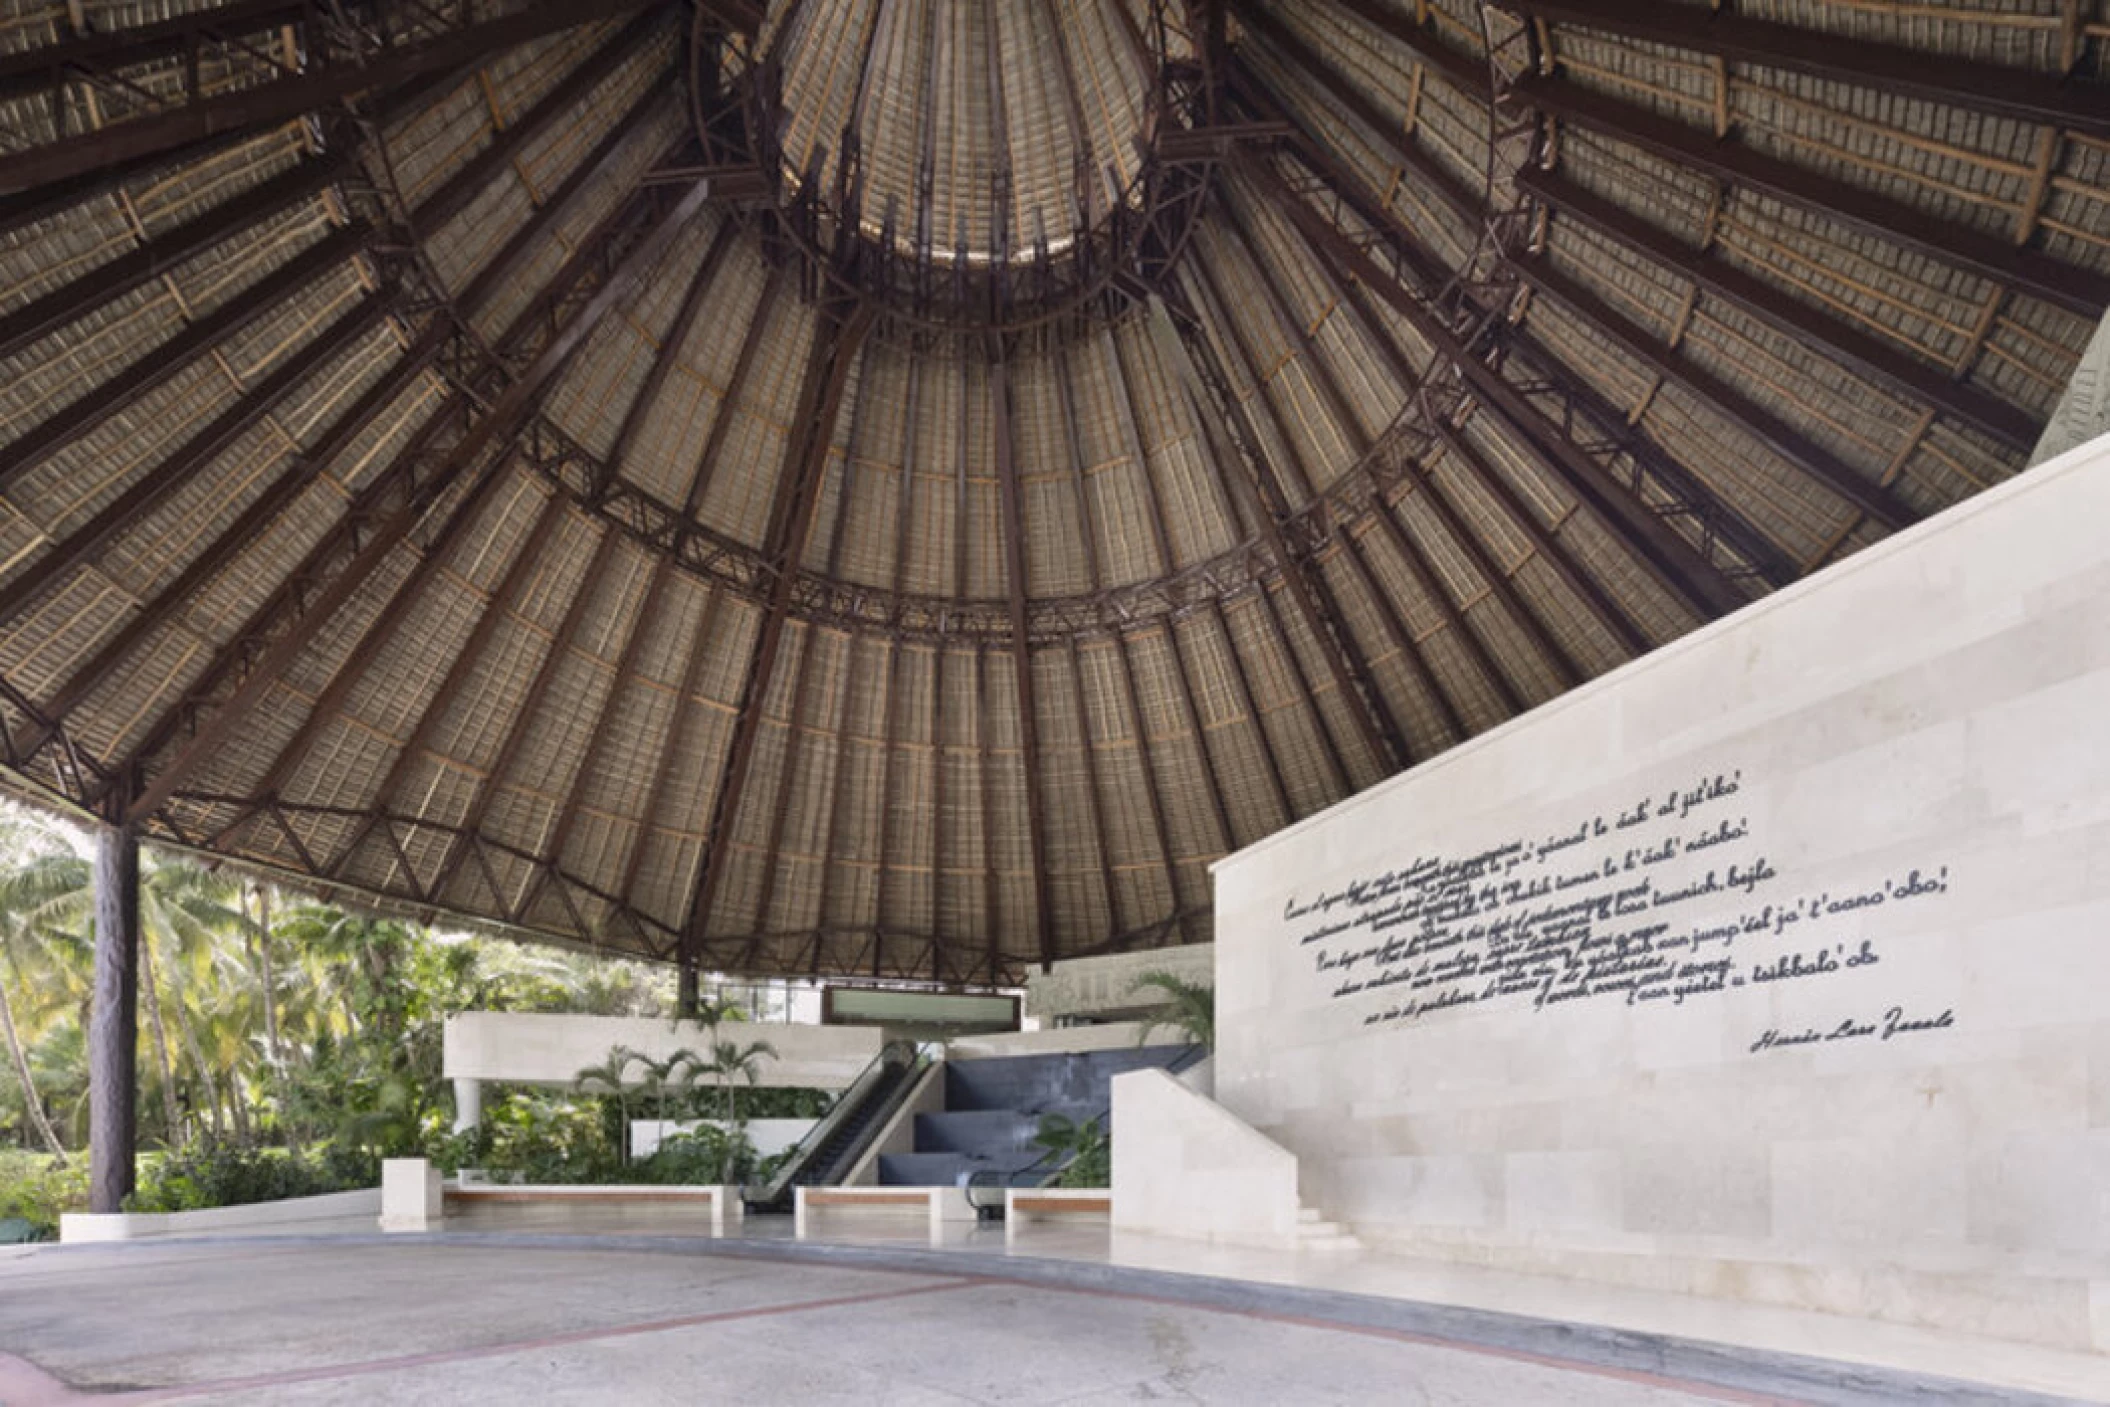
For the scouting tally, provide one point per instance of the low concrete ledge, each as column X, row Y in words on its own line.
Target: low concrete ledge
column 721, row 1200
column 1023, row 1204
column 345, row 1212
column 939, row 1204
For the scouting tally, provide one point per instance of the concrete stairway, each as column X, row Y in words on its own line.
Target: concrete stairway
column 1315, row 1233
column 994, row 1105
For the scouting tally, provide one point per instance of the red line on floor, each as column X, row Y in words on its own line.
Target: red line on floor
column 23, row 1384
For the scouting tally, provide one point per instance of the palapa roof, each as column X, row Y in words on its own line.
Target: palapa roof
column 899, row 486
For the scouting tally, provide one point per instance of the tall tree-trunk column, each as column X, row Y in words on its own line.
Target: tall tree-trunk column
column 113, row 1031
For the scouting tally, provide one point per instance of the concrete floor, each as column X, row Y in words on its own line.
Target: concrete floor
column 870, row 1315
column 411, row 1321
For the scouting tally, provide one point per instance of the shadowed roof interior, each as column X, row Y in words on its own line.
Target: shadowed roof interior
column 899, row 487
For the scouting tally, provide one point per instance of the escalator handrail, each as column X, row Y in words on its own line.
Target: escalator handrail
column 895, row 1054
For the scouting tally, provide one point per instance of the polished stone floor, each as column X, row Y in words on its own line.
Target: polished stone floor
column 588, row 1309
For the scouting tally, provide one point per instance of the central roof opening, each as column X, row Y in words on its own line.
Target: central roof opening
column 966, row 132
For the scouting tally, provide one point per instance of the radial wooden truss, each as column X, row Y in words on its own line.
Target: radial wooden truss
column 900, row 486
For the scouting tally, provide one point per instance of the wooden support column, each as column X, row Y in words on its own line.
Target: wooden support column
column 113, row 1027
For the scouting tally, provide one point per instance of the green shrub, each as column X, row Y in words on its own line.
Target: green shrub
column 705, row 1154
column 212, row 1173
column 537, row 1138
column 1087, row 1146
column 36, row 1190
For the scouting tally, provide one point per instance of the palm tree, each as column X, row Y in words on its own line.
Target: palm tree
column 1189, row 1008
column 731, row 1060
column 609, row 1076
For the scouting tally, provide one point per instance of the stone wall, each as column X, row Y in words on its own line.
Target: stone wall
column 1774, row 965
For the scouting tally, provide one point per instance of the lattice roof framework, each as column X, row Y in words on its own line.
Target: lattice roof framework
column 899, row 486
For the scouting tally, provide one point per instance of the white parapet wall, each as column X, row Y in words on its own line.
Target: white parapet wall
column 332, row 1213
column 1774, row 964
column 1107, row 988
column 1186, row 1166
column 529, row 1048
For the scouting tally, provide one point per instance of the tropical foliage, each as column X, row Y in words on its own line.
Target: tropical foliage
column 285, row 1045
column 1188, row 1007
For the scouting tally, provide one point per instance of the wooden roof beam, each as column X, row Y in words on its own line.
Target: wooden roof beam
column 1994, row 257
column 834, row 352
column 507, row 414
column 1264, row 498
column 666, row 358
column 1815, row 462
column 1344, row 416
column 2018, row 93
column 1674, row 561
column 70, row 302
column 559, row 104
column 1073, row 444
column 282, row 99
column 251, row 406
column 301, row 470
column 84, row 413
column 1871, row 356
column 1016, row 589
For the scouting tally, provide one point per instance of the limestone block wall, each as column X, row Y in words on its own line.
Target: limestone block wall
column 1774, row 965
column 532, row 1048
column 1184, row 1166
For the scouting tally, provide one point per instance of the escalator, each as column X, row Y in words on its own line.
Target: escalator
column 827, row 1153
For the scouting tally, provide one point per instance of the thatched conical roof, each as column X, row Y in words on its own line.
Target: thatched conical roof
column 899, row 486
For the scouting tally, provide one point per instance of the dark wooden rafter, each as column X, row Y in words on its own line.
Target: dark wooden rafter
column 1131, row 422
column 675, row 751
column 1351, row 428
column 1800, row 450
column 1241, row 462
column 562, row 643
column 1548, row 432
column 1243, row 683
column 2020, row 94
column 300, row 471
column 493, row 431
column 575, row 272
column 905, row 502
column 1073, row 443
column 561, row 104
column 600, row 733
column 252, row 405
column 267, row 295
column 519, row 576
column 1676, row 563
column 1991, row 256
column 836, row 343
column 300, row 183
column 331, row 78
column 533, row 234
column 1016, row 590
column 985, row 789
column 759, row 323
column 666, row 358
column 1322, row 727
column 1868, row 355
column 798, row 726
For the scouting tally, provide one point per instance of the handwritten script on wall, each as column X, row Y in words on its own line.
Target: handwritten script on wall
column 1669, row 900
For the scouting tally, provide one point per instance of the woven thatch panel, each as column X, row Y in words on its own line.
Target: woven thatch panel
column 521, row 684
column 1187, row 489
column 428, row 148
column 2020, row 35
column 739, row 483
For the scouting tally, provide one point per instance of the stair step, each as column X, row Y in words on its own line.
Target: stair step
column 1308, row 1214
